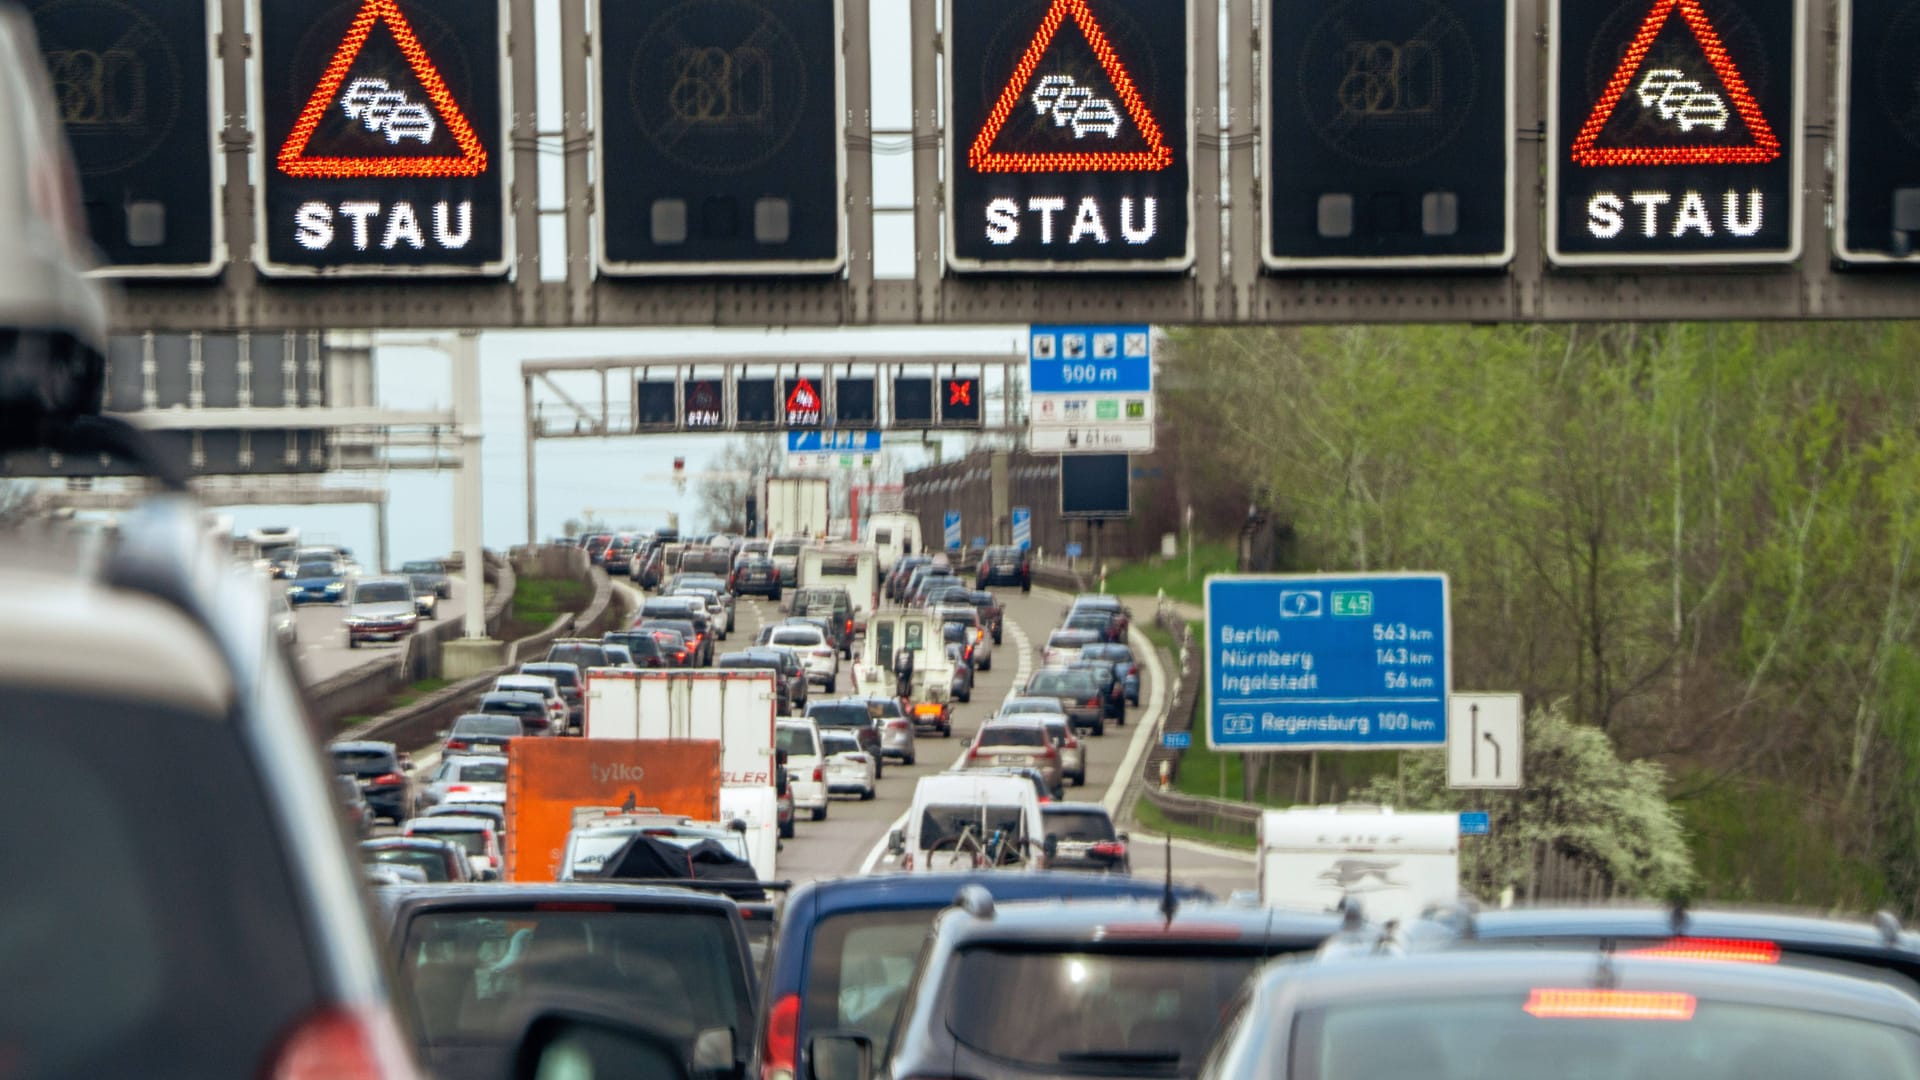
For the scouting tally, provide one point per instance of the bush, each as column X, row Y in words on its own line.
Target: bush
column 1580, row 800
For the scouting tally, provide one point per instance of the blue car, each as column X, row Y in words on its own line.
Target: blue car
column 318, row 581
column 1125, row 667
column 845, row 950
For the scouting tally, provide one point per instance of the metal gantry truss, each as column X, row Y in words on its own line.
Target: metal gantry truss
column 1226, row 284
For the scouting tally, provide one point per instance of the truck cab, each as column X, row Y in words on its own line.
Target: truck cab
column 904, row 658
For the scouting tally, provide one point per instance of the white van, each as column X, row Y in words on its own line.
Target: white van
column 806, row 766
column 1394, row 865
column 892, row 536
column 964, row 821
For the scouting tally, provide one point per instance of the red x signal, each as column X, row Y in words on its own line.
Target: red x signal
column 959, row 392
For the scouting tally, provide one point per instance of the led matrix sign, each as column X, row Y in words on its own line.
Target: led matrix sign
column 1675, row 132
column 1877, row 167
column 1071, row 142
column 382, row 122
column 1388, row 133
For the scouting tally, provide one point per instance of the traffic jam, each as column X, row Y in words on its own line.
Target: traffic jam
column 628, row 834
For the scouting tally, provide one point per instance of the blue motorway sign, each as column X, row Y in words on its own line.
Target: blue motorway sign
column 1316, row 662
column 826, row 442
column 1475, row 823
column 953, row 529
column 1177, row 740
column 1082, row 359
column 1023, row 527
column 1074, row 550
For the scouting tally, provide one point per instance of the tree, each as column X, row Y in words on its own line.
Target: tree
column 737, row 471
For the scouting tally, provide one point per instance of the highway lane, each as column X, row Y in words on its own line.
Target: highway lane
column 322, row 644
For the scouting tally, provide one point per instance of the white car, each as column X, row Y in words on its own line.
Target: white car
column 815, row 651
column 806, row 765
column 1062, row 648
column 717, row 613
column 475, row 778
column 592, row 842
column 850, row 770
column 474, row 835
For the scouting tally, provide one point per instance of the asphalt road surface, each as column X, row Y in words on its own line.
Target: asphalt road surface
column 322, row 645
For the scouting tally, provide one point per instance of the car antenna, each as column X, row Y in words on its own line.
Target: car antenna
column 1169, row 905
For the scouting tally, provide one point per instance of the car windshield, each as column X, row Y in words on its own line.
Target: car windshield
column 427, row 861
column 1063, row 684
column 315, row 569
column 860, row 965
column 486, row 725
column 363, row 763
column 1079, row 826
column 382, row 592
column 1520, row 1036
column 840, row 714
column 796, row 741
column 470, row 973
column 483, row 772
column 428, row 566
column 1147, row 1013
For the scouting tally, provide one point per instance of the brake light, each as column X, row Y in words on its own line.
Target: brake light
column 1072, row 743
column 1111, row 848
column 896, row 725
column 343, row 1042
column 781, row 1052
column 1093, row 701
column 1051, row 752
column 456, row 744
column 1732, row 950
column 819, row 774
column 451, row 788
column 1610, row 1005
column 390, row 778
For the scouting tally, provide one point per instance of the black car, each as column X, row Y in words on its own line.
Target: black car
column 1098, row 989
column 790, row 676
column 1004, row 566
column 642, row 646
column 579, row 652
column 672, row 642
column 1125, row 667
column 1112, row 691
column 1085, row 839
column 527, row 707
column 699, row 649
column 381, row 769
column 852, row 715
column 903, row 569
column 1079, row 692
column 756, row 577
column 470, row 958
column 571, row 681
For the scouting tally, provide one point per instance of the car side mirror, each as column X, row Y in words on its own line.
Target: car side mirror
column 840, row 1055
column 567, row 1044
column 1051, row 846
column 713, row 1051
column 1124, row 838
column 897, row 842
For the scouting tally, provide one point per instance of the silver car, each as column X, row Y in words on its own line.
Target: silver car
column 1073, row 756
column 1021, row 743
column 977, row 635
column 895, row 727
column 380, row 609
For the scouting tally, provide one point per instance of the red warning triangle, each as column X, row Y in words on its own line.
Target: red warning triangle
column 803, row 398
column 982, row 157
column 472, row 159
column 1762, row 148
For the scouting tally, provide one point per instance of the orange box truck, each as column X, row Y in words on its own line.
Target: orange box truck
column 547, row 779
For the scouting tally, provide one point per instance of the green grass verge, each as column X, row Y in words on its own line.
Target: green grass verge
column 542, row 600
column 1152, row 820
column 1148, row 577
column 1756, row 842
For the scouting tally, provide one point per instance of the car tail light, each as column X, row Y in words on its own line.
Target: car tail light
column 780, row 1054
column 1093, row 701
column 451, row 788
column 1113, row 849
column 897, row 725
column 1072, row 743
column 390, row 778
column 1727, row 949
column 819, row 774
column 1610, row 1005
column 1051, row 752
column 456, row 744
column 340, row 1041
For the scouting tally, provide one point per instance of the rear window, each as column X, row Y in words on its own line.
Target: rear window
column 941, row 825
column 470, row 974
column 364, row 763
column 579, row 655
column 483, row 772
column 796, row 741
column 786, row 547
column 796, row 636
column 486, row 725
column 468, row 840
column 1032, row 706
column 1079, row 826
column 1064, row 684
column 431, row 863
column 1011, row 735
column 839, row 715
column 834, row 742
column 859, row 968
column 156, row 898
column 565, row 676
column 518, row 705
column 1496, row 1038
column 1148, row 1013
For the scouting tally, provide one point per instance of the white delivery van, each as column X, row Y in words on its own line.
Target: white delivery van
column 894, row 638
column 733, row 705
column 892, row 536
column 1394, row 865
column 968, row 820
column 856, row 570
